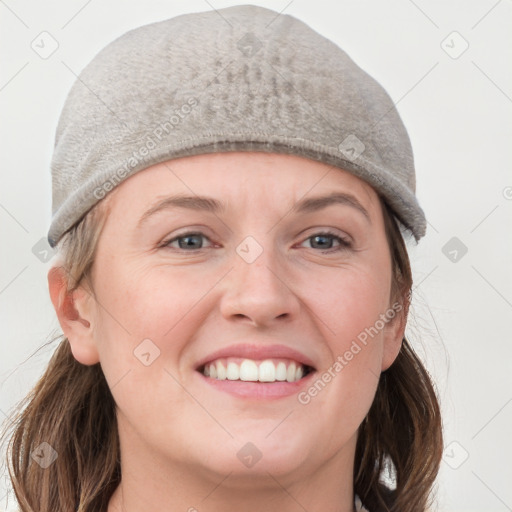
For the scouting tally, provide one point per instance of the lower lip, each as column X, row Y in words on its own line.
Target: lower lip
column 259, row 390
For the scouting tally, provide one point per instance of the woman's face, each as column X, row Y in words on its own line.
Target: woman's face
column 233, row 259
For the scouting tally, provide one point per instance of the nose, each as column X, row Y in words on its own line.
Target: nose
column 259, row 292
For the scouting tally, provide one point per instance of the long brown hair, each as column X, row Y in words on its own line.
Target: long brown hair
column 402, row 433
column 72, row 409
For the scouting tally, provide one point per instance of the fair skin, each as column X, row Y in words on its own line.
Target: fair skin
column 179, row 433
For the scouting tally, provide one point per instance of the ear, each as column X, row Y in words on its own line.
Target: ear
column 394, row 331
column 75, row 313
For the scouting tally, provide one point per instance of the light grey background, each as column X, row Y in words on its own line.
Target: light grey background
column 456, row 104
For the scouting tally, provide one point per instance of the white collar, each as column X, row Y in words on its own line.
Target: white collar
column 359, row 505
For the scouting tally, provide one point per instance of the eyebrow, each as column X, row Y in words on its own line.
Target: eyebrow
column 314, row 204
column 209, row 204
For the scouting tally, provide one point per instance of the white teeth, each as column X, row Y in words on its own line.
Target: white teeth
column 267, row 372
column 252, row 371
column 233, row 371
column 281, row 371
column 221, row 371
column 248, row 370
column 290, row 374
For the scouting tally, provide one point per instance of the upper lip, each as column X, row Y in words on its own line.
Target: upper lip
column 257, row 351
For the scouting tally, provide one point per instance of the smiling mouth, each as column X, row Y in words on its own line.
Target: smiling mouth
column 251, row 370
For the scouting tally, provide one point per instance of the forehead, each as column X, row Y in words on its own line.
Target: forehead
column 243, row 175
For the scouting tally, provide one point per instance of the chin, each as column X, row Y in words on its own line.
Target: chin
column 254, row 452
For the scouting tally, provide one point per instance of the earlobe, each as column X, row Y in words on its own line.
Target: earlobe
column 74, row 311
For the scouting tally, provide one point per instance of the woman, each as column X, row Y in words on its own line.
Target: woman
column 232, row 283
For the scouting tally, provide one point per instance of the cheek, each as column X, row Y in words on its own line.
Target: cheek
column 350, row 304
column 141, row 329
column 147, row 317
column 148, row 303
column 350, row 308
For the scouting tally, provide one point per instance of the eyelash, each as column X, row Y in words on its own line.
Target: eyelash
column 344, row 244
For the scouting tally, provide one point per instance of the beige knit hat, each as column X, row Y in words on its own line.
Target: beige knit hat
column 243, row 78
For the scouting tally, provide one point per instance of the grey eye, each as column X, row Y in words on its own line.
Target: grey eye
column 188, row 241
